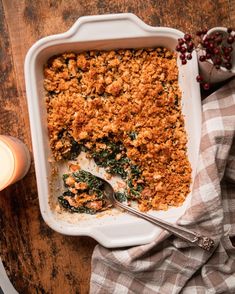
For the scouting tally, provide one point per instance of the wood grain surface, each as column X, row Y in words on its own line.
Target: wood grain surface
column 37, row 259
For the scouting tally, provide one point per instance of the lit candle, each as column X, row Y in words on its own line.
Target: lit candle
column 14, row 160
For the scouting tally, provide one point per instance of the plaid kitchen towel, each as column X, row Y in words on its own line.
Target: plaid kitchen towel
column 169, row 265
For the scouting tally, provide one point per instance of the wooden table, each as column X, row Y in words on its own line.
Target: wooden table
column 37, row 259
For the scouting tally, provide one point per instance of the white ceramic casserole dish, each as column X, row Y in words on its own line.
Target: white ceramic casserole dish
column 105, row 32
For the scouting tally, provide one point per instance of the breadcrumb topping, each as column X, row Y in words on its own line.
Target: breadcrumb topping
column 133, row 97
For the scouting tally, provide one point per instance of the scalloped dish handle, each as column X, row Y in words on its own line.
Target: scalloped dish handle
column 104, row 26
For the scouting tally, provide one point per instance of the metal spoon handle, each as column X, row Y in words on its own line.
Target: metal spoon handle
column 181, row 232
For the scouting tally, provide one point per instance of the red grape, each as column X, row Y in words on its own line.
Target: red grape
column 181, row 41
column 199, row 79
column 189, row 56
column 183, row 49
column 187, row 37
column 206, row 86
column 230, row 39
column 202, row 58
column 178, row 48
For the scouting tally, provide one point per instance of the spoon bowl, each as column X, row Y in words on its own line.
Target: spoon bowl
column 203, row 242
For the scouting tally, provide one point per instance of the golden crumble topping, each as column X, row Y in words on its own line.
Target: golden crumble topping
column 130, row 98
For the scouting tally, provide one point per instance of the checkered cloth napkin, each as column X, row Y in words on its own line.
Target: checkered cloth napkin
column 169, row 265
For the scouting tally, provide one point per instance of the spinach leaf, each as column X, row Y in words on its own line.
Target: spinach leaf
column 135, row 171
column 133, row 135
column 121, row 196
column 134, row 190
column 85, row 177
column 81, row 209
column 107, row 158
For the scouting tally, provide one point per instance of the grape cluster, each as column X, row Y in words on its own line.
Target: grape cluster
column 217, row 46
column 185, row 46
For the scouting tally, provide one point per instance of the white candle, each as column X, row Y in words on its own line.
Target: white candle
column 14, row 160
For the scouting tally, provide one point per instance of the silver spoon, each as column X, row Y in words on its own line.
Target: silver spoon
column 201, row 241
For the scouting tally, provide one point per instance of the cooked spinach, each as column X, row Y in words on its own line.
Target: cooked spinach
column 81, row 209
column 94, row 186
column 135, row 171
column 75, row 149
column 61, row 133
column 117, row 166
column 121, row 196
column 109, row 158
column 132, row 135
column 85, row 177
column 112, row 157
column 68, row 193
column 134, row 190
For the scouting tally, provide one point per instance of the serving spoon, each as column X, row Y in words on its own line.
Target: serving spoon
column 199, row 240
